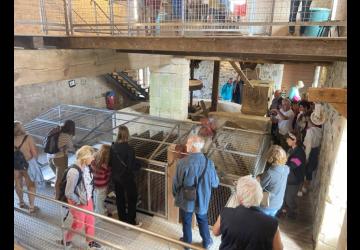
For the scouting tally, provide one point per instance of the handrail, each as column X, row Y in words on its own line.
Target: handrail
column 117, row 222
column 132, row 82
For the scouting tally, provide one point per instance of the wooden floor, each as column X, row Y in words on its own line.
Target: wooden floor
column 297, row 234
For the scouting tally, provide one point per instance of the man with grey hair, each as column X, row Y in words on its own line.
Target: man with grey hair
column 197, row 172
column 245, row 226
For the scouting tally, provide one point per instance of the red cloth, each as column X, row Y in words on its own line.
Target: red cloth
column 101, row 176
column 240, row 9
column 207, row 128
column 80, row 219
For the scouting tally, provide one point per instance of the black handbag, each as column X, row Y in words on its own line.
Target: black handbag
column 190, row 191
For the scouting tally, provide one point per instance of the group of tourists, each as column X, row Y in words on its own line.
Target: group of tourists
column 297, row 128
column 85, row 184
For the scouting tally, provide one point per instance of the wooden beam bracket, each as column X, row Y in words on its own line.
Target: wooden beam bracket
column 337, row 97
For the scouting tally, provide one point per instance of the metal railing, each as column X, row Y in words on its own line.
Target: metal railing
column 179, row 17
column 49, row 219
column 235, row 152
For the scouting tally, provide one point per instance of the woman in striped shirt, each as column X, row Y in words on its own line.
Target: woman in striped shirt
column 101, row 177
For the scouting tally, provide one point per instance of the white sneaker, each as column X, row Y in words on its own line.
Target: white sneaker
column 138, row 224
column 299, row 194
column 111, row 194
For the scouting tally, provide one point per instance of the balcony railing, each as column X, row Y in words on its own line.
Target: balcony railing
column 180, row 17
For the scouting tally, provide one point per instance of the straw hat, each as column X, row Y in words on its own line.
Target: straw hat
column 318, row 117
column 300, row 84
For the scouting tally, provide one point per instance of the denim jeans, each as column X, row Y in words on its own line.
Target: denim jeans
column 202, row 221
column 269, row 211
column 99, row 199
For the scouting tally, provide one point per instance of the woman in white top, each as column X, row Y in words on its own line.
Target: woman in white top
column 59, row 161
column 27, row 146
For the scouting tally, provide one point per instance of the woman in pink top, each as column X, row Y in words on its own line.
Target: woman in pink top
column 101, row 177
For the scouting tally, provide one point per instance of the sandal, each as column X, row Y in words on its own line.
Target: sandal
column 32, row 210
column 23, row 205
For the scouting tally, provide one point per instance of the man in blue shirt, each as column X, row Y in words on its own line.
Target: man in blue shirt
column 227, row 90
column 187, row 170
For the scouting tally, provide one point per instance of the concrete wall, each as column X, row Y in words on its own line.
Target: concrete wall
column 330, row 182
column 262, row 72
column 32, row 100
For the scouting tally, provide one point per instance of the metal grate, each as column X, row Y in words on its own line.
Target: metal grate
column 176, row 17
column 219, row 198
column 235, row 152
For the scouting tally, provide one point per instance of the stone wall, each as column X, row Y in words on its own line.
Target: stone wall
column 330, row 182
column 205, row 74
column 336, row 75
column 32, row 100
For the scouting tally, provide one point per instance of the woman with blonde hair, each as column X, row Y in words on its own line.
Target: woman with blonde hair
column 79, row 193
column 101, row 177
column 274, row 179
column 31, row 173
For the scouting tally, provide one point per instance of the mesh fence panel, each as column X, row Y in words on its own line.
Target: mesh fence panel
column 178, row 17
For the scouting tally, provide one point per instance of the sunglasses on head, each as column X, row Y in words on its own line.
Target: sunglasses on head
column 292, row 137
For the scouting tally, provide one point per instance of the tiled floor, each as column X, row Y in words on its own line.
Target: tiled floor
column 40, row 231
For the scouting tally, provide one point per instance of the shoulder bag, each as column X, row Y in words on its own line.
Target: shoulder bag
column 190, row 191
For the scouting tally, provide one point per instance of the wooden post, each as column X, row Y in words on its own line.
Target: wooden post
column 241, row 73
column 173, row 211
column 215, row 87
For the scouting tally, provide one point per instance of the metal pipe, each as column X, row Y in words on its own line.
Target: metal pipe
column 235, row 152
column 70, row 17
column 116, row 222
column 111, row 14
column 148, row 192
column 66, row 18
column 43, row 17
column 96, row 22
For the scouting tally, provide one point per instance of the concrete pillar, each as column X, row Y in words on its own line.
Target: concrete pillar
column 169, row 90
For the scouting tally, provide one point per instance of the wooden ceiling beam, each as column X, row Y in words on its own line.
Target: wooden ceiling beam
column 244, row 48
